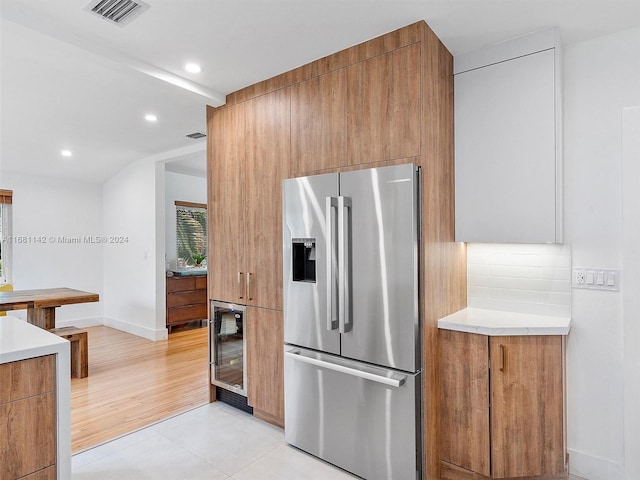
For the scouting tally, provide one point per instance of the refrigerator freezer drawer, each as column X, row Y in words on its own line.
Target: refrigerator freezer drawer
column 362, row 418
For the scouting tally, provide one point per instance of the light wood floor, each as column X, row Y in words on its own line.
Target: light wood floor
column 134, row 382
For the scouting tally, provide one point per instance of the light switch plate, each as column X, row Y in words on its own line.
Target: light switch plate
column 596, row 279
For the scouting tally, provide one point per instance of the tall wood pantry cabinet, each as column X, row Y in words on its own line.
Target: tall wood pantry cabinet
column 502, row 406
column 386, row 101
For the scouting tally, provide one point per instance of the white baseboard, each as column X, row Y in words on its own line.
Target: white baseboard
column 80, row 322
column 139, row 330
column 594, row 468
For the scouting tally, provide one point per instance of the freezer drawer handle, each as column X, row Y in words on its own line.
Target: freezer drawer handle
column 332, row 323
column 392, row 382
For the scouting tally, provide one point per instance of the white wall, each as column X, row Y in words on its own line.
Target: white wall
column 133, row 205
column 601, row 77
column 631, row 299
column 186, row 188
column 44, row 211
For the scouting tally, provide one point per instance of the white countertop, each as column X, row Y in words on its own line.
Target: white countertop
column 499, row 323
column 20, row 340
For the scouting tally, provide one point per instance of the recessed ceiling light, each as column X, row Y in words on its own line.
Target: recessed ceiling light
column 66, row 153
column 193, row 68
column 150, row 117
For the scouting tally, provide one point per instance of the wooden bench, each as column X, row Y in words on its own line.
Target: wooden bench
column 79, row 349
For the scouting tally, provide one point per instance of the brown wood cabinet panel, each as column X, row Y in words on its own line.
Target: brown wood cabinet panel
column 226, row 220
column 27, row 436
column 464, row 423
column 527, row 418
column 268, row 132
column 180, row 284
column 201, row 282
column 318, row 123
column 383, row 107
column 186, row 314
column 46, row 474
column 180, row 299
column 265, row 363
column 27, row 378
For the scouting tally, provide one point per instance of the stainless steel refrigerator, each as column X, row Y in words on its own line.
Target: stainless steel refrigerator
column 351, row 320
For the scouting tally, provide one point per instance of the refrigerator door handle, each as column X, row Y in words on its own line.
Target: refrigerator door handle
column 344, row 316
column 331, row 203
column 396, row 380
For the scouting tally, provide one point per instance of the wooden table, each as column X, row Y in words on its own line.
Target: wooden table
column 41, row 304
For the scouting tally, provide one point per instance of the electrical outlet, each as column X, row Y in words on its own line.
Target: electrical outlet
column 596, row 279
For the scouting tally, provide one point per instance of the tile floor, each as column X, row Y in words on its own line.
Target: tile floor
column 213, row 442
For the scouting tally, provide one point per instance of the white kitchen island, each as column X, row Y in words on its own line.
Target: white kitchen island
column 28, row 389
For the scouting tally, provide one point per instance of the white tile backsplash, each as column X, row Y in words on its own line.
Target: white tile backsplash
column 520, row 278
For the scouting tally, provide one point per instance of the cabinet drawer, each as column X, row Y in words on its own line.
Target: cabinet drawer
column 187, row 314
column 201, row 282
column 27, row 436
column 180, row 299
column 26, row 378
column 180, row 284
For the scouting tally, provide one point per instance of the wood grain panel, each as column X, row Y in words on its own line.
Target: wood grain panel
column 318, row 123
column 27, row 436
column 187, row 313
column 526, row 406
column 444, row 262
column 464, row 367
column 453, row 472
column 383, row 107
column 180, row 299
column 371, row 48
column 48, row 473
column 27, row 378
column 226, row 153
column 265, row 364
column 180, row 284
column 268, row 132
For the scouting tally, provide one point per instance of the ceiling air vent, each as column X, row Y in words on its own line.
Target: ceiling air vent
column 196, row 135
column 119, row 12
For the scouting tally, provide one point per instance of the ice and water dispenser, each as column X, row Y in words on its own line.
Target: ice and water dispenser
column 304, row 259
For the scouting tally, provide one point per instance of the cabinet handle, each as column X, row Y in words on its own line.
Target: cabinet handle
column 240, row 286
column 503, row 360
column 249, row 275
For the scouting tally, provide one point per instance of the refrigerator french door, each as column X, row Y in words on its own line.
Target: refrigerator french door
column 351, row 317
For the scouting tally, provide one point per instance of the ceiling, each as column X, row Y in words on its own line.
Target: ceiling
column 70, row 80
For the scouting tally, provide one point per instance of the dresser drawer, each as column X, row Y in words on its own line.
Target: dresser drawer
column 180, row 299
column 186, row 314
column 180, row 284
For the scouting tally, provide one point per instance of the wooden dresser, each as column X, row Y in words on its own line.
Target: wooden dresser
column 186, row 300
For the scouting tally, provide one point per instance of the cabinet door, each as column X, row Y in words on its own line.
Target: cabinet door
column 268, row 133
column 505, row 153
column 383, row 107
column 527, row 419
column 464, row 420
column 318, row 123
column 226, row 154
column 265, row 359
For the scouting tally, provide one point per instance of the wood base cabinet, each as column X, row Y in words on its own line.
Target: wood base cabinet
column 502, row 407
column 28, row 413
column 265, row 364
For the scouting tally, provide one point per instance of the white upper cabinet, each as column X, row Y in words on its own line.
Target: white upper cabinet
column 508, row 174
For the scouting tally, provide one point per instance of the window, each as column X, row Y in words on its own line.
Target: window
column 191, row 232
column 6, row 197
